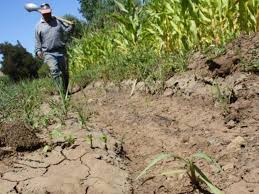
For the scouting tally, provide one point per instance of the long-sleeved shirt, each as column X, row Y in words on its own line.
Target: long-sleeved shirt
column 49, row 37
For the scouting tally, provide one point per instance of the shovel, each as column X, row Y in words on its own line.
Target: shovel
column 32, row 7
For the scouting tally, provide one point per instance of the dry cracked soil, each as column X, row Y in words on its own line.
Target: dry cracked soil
column 213, row 107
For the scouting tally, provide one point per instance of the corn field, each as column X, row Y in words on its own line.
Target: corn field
column 168, row 26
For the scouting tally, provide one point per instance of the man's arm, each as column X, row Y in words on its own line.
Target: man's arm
column 38, row 47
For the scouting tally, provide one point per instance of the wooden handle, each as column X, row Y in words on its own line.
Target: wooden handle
column 64, row 20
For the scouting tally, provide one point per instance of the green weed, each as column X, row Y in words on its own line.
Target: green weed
column 69, row 139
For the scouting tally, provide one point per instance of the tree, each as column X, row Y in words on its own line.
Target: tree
column 95, row 10
column 17, row 63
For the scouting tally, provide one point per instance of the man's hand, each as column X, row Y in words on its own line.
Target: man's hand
column 40, row 55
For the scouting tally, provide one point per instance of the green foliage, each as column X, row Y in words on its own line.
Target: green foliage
column 150, row 40
column 189, row 167
column 252, row 66
column 95, row 57
column 59, row 109
column 23, row 100
column 43, row 71
column 17, row 62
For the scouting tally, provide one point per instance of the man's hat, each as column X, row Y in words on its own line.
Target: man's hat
column 45, row 8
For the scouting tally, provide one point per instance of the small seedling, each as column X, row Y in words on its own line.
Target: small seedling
column 104, row 138
column 56, row 134
column 194, row 172
column 90, row 139
column 46, row 149
column 69, row 139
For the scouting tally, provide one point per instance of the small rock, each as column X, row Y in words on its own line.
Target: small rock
column 99, row 157
column 168, row 92
column 98, row 84
column 228, row 166
column 140, row 86
column 170, row 83
column 208, row 80
column 231, row 124
column 185, row 139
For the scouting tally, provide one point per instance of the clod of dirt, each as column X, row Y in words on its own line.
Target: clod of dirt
column 19, row 137
column 236, row 144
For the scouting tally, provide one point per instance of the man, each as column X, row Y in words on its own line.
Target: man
column 50, row 46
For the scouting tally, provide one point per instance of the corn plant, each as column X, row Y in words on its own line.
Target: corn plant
column 189, row 167
column 176, row 25
column 90, row 50
column 130, row 24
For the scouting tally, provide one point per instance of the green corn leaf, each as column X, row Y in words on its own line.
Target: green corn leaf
column 121, row 6
column 207, row 158
column 174, row 172
column 202, row 177
column 153, row 162
column 157, row 159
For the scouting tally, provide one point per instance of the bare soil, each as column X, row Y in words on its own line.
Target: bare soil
column 213, row 107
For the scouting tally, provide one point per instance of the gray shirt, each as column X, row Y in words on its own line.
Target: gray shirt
column 49, row 37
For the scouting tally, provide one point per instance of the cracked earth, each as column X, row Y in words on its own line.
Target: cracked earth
column 77, row 169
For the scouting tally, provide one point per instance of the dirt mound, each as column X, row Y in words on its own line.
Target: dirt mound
column 19, row 137
column 239, row 55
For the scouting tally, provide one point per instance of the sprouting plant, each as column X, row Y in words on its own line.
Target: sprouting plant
column 69, row 139
column 104, row 138
column 189, row 167
column 252, row 66
column 64, row 102
column 89, row 138
column 46, row 149
column 56, row 134
column 224, row 96
column 60, row 109
column 82, row 117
